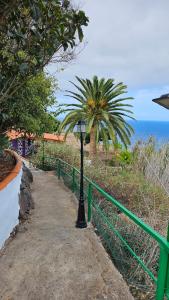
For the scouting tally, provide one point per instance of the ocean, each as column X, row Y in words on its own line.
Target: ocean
column 145, row 129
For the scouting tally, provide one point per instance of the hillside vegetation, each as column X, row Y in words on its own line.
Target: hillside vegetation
column 138, row 179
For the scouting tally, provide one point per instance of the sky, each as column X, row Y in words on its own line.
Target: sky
column 127, row 40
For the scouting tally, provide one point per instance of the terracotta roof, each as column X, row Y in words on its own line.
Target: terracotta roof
column 13, row 135
column 53, row 137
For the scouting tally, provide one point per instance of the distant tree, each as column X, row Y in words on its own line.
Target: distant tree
column 32, row 33
column 99, row 104
column 28, row 110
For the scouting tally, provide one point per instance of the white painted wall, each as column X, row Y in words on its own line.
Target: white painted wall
column 9, row 207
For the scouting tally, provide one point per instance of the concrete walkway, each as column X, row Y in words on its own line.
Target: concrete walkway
column 50, row 259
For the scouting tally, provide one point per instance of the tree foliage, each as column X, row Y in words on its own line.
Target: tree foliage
column 31, row 34
column 99, row 104
column 28, row 110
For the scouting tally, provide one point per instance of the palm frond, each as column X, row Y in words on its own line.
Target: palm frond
column 101, row 103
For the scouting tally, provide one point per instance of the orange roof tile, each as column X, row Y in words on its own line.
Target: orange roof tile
column 53, row 137
column 12, row 135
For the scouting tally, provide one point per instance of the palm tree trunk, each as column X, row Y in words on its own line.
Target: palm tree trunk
column 93, row 149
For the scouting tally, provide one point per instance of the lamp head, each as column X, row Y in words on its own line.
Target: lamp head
column 163, row 100
column 81, row 126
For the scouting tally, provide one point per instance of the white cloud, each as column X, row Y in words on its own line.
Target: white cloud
column 127, row 40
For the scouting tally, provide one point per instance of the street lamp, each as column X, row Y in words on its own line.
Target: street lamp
column 81, row 219
column 163, row 101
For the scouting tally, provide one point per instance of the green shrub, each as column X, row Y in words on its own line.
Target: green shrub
column 125, row 157
column 56, row 150
column 121, row 158
column 4, row 143
column 117, row 146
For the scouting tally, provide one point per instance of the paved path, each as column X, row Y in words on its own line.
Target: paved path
column 50, row 259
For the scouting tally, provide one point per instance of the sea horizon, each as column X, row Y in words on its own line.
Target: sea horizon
column 144, row 129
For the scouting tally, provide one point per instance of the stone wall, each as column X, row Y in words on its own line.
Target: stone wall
column 26, row 202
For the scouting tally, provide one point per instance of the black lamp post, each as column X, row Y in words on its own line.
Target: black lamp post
column 163, row 101
column 81, row 219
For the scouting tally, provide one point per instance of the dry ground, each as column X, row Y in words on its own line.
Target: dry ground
column 50, row 259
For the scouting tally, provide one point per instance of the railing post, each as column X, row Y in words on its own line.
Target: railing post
column 89, row 201
column 162, row 274
column 73, row 180
column 43, row 154
column 167, row 276
column 59, row 169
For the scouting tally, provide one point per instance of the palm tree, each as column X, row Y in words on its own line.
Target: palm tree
column 98, row 103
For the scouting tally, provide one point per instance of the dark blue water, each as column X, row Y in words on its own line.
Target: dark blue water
column 146, row 129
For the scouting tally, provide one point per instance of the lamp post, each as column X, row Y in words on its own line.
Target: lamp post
column 81, row 219
column 163, row 101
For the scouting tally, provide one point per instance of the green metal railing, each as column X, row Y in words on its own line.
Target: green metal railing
column 139, row 252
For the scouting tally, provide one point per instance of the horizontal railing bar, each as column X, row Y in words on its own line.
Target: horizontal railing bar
column 125, row 243
column 161, row 240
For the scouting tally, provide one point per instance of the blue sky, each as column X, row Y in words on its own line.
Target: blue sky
column 126, row 40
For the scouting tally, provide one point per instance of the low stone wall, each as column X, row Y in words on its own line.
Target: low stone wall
column 26, row 202
column 15, row 198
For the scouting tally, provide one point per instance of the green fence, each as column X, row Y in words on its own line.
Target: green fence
column 139, row 252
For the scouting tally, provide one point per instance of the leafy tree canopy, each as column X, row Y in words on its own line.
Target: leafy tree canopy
column 28, row 110
column 31, row 34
